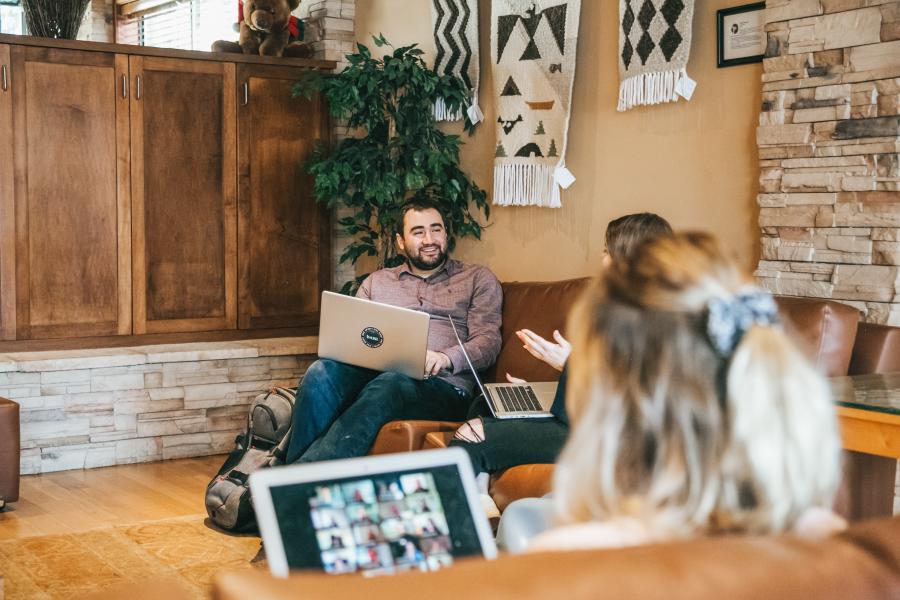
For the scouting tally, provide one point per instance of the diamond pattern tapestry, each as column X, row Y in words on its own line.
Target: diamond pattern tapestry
column 654, row 46
column 456, row 47
column 533, row 45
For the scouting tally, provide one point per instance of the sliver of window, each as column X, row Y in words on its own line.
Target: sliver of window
column 185, row 24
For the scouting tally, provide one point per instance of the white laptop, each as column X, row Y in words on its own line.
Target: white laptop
column 513, row 400
column 374, row 515
column 373, row 335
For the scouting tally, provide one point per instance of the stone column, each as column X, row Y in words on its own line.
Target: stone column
column 829, row 138
column 331, row 27
column 99, row 22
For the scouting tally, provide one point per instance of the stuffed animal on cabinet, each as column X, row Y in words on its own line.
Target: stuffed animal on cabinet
column 268, row 29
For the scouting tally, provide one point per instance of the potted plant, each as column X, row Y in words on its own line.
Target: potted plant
column 54, row 18
column 398, row 151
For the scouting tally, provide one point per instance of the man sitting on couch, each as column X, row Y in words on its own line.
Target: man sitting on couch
column 340, row 408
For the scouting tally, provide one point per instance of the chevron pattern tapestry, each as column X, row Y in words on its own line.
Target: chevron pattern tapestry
column 533, row 44
column 654, row 46
column 456, row 47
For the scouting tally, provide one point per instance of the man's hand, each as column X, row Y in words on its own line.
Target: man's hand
column 435, row 362
column 554, row 355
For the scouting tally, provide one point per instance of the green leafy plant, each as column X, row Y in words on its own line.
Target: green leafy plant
column 397, row 152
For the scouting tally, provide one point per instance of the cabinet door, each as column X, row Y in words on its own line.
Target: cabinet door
column 72, row 210
column 183, row 194
column 283, row 234
column 7, row 205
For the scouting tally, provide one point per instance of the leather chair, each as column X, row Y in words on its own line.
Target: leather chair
column 541, row 307
column 9, row 452
column 876, row 350
column 824, row 329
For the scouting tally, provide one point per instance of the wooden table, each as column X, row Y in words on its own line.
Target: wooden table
column 869, row 413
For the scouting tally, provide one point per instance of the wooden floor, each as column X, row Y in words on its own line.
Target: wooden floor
column 71, row 501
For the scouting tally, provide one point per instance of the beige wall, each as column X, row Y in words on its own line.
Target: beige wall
column 694, row 163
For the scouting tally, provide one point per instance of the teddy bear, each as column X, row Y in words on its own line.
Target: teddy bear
column 269, row 29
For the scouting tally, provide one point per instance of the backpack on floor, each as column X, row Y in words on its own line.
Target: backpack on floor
column 264, row 444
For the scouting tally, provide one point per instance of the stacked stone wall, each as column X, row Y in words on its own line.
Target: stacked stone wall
column 829, row 141
column 94, row 408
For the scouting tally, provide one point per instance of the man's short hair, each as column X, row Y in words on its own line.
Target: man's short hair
column 418, row 205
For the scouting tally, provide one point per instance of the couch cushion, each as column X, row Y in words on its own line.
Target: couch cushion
column 406, row 436
column 823, row 329
column 864, row 562
column 540, row 307
column 877, row 350
column 437, row 439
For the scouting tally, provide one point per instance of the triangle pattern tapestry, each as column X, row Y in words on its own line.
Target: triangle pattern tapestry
column 533, row 45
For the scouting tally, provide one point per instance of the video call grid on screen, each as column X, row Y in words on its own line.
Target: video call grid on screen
column 378, row 524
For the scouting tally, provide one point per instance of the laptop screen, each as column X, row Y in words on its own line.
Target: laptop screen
column 383, row 523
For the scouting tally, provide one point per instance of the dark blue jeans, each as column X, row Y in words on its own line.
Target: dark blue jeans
column 341, row 408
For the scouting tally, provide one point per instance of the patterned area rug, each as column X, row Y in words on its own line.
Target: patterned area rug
column 68, row 565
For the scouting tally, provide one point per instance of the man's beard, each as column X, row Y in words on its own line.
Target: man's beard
column 427, row 265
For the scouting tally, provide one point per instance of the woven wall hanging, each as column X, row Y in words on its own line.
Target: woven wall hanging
column 533, row 44
column 654, row 46
column 455, row 25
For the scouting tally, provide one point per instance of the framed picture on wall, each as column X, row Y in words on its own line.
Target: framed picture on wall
column 741, row 34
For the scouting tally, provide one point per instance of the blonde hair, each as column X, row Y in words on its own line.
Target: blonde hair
column 666, row 430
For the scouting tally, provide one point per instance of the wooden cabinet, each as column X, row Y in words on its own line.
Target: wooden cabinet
column 7, row 205
column 72, row 244
column 155, row 192
column 183, row 191
column 281, row 229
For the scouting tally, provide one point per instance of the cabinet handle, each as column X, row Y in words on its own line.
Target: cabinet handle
column 4, row 78
column 124, row 86
column 138, row 92
column 246, row 94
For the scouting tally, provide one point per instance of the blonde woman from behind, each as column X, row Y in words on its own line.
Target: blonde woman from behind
column 693, row 414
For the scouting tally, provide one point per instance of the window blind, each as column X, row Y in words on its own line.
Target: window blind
column 12, row 18
column 182, row 24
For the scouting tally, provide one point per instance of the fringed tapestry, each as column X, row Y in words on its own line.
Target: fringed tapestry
column 654, row 45
column 456, row 50
column 533, row 45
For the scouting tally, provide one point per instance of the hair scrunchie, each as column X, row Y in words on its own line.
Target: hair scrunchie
column 728, row 319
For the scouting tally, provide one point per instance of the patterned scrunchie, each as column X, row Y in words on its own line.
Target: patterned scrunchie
column 728, row 319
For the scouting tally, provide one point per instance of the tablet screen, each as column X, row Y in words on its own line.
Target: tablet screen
column 384, row 523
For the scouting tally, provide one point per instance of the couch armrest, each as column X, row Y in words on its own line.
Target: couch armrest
column 406, row 436
column 860, row 563
column 523, row 481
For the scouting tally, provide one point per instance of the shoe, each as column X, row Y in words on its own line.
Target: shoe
column 489, row 506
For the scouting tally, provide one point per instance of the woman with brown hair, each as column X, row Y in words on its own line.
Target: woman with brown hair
column 495, row 445
column 692, row 412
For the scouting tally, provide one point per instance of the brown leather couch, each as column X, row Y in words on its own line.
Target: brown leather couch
column 826, row 330
column 9, row 451
column 861, row 563
column 876, row 350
